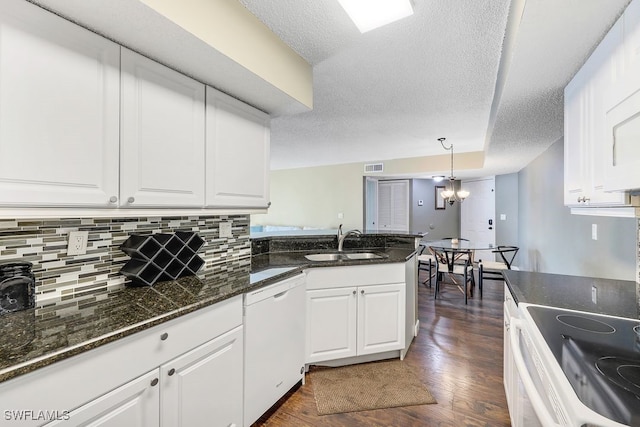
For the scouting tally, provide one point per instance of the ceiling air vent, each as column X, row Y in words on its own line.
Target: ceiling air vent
column 373, row 167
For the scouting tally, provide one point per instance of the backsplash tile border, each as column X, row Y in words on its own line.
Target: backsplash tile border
column 43, row 242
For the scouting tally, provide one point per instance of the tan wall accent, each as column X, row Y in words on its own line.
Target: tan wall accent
column 433, row 164
column 232, row 30
column 314, row 196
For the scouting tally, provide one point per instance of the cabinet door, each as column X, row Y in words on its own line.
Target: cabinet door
column 204, row 386
column 331, row 324
column 381, row 318
column 575, row 144
column 631, row 47
column 135, row 404
column 59, row 106
column 604, row 69
column 237, row 153
column 162, row 150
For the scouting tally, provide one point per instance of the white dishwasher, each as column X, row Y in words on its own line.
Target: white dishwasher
column 274, row 327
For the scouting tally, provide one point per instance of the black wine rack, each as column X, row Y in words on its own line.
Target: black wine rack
column 158, row 257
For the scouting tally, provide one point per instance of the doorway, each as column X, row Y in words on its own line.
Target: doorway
column 477, row 213
column 386, row 205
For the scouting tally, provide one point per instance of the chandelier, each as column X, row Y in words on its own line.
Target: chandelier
column 449, row 194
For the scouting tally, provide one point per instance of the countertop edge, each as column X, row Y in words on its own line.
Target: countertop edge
column 23, row 368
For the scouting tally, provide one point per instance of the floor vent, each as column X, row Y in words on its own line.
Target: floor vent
column 373, row 167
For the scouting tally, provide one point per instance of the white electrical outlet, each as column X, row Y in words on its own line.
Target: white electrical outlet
column 225, row 229
column 594, row 294
column 594, row 231
column 77, row 242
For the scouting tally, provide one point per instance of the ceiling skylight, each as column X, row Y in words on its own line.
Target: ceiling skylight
column 370, row 14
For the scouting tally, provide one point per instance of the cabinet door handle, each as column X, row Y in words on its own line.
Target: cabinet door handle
column 171, row 371
column 362, row 292
column 113, row 199
column 154, row 382
column 131, row 199
column 354, row 292
column 164, row 336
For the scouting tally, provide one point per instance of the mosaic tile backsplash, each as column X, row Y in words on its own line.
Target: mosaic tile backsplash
column 58, row 275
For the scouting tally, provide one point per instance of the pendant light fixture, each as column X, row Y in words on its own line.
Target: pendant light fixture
column 449, row 194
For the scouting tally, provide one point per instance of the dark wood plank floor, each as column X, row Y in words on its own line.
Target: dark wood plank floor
column 457, row 355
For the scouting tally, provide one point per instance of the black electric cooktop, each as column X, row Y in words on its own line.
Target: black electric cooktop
column 600, row 356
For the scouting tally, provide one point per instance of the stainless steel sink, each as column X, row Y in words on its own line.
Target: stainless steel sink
column 323, row 257
column 364, row 255
column 344, row 256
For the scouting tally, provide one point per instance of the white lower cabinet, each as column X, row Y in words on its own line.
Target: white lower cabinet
column 331, row 324
column 204, row 386
column 365, row 318
column 136, row 403
column 510, row 378
column 200, row 388
column 184, row 372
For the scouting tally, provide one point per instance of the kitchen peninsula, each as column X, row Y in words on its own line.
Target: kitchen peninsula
column 148, row 332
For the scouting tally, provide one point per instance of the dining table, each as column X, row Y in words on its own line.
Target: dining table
column 459, row 245
column 453, row 250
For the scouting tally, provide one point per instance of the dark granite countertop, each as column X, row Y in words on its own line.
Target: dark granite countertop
column 58, row 329
column 613, row 297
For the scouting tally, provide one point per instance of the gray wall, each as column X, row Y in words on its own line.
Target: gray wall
column 439, row 223
column 552, row 240
column 507, row 205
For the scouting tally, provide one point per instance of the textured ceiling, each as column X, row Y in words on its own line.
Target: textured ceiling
column 391, row 92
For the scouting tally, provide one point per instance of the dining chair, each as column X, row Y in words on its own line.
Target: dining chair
column 454, row 262
column 427, row 262
column 492, row 270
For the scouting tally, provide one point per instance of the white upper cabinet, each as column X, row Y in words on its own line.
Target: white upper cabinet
column 587, row 131
column 59, row 106
column 622, row 144
column 162, row 135
column 86, row 123
column 575, row 149
column 237, row 153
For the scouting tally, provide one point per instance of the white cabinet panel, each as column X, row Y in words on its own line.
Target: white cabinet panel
column 331, row 324
column 381, row 318
column 365, row 318
column 135, row 404
column 59, row 106
column 574, row 136
column 162, row 136
column 204, row 386
column 631, row 47
column 621, row 148
column 237, row 153
column 586, row 130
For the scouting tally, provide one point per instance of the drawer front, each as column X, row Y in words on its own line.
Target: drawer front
column 91, row 374
column 355, row 275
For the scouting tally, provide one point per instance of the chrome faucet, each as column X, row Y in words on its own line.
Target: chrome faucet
column 342, row 236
